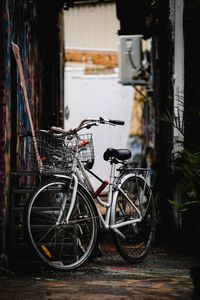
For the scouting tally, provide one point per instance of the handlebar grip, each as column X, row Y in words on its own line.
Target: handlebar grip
column 117, row 122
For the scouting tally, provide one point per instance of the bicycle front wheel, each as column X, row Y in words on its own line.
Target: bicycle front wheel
column 137, row 237
column 61, row 245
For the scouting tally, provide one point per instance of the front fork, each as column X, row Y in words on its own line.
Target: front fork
column 73, row 186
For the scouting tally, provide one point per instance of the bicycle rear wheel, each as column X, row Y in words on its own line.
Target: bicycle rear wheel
column 138, row 237
column 61, row 246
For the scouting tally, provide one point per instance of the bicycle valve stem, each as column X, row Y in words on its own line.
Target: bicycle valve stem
column 100, row 189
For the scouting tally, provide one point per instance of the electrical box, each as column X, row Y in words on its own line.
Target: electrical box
column 130, row 58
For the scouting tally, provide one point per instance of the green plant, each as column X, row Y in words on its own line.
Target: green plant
column 186, row 173
column 182, row 207
column 185, row 165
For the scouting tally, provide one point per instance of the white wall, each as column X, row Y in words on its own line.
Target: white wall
column 94, row 27
column 99, row 96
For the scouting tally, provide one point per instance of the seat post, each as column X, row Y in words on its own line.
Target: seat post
column 112, row 171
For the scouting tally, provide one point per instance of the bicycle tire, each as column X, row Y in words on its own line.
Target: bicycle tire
column 139, row 236
column 65, row 246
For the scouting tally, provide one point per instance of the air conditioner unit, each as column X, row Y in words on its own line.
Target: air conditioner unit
column 130, row 58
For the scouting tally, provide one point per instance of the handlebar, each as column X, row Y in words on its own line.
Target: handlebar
column 87, row 123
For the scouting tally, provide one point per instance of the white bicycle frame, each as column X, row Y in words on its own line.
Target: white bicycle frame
column 80, row 176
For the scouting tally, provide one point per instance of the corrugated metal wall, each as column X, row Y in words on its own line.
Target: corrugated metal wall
column 101, row 35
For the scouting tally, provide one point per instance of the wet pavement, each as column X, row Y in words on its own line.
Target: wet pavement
column 167, row 273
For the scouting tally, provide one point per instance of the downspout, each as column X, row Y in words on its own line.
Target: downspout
column 178, row 137
column 177, row 7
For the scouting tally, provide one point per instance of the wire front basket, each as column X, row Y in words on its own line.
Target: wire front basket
column 84, row 144
column 58, row 152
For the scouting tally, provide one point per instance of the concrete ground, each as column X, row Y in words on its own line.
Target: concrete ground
column 167, row 273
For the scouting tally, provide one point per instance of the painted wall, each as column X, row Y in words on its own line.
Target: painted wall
column 23, row 22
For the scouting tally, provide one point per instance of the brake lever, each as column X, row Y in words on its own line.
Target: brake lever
column 101, row 120
column 90, row 125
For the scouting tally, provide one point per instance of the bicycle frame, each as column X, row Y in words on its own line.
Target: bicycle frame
column 79, row 175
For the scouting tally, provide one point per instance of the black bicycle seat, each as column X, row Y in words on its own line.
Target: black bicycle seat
column 121, row 154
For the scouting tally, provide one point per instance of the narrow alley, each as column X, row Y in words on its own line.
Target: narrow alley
column 167, row 273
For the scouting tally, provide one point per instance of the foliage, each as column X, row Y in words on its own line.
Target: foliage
column 182, row 207
column 186, row 173
column 174, row 120
column 185, row 165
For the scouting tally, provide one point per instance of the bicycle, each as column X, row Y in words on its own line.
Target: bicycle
column 63, row 218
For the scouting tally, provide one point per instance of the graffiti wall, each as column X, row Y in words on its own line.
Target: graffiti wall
column 5, row 130
column 22, row 22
